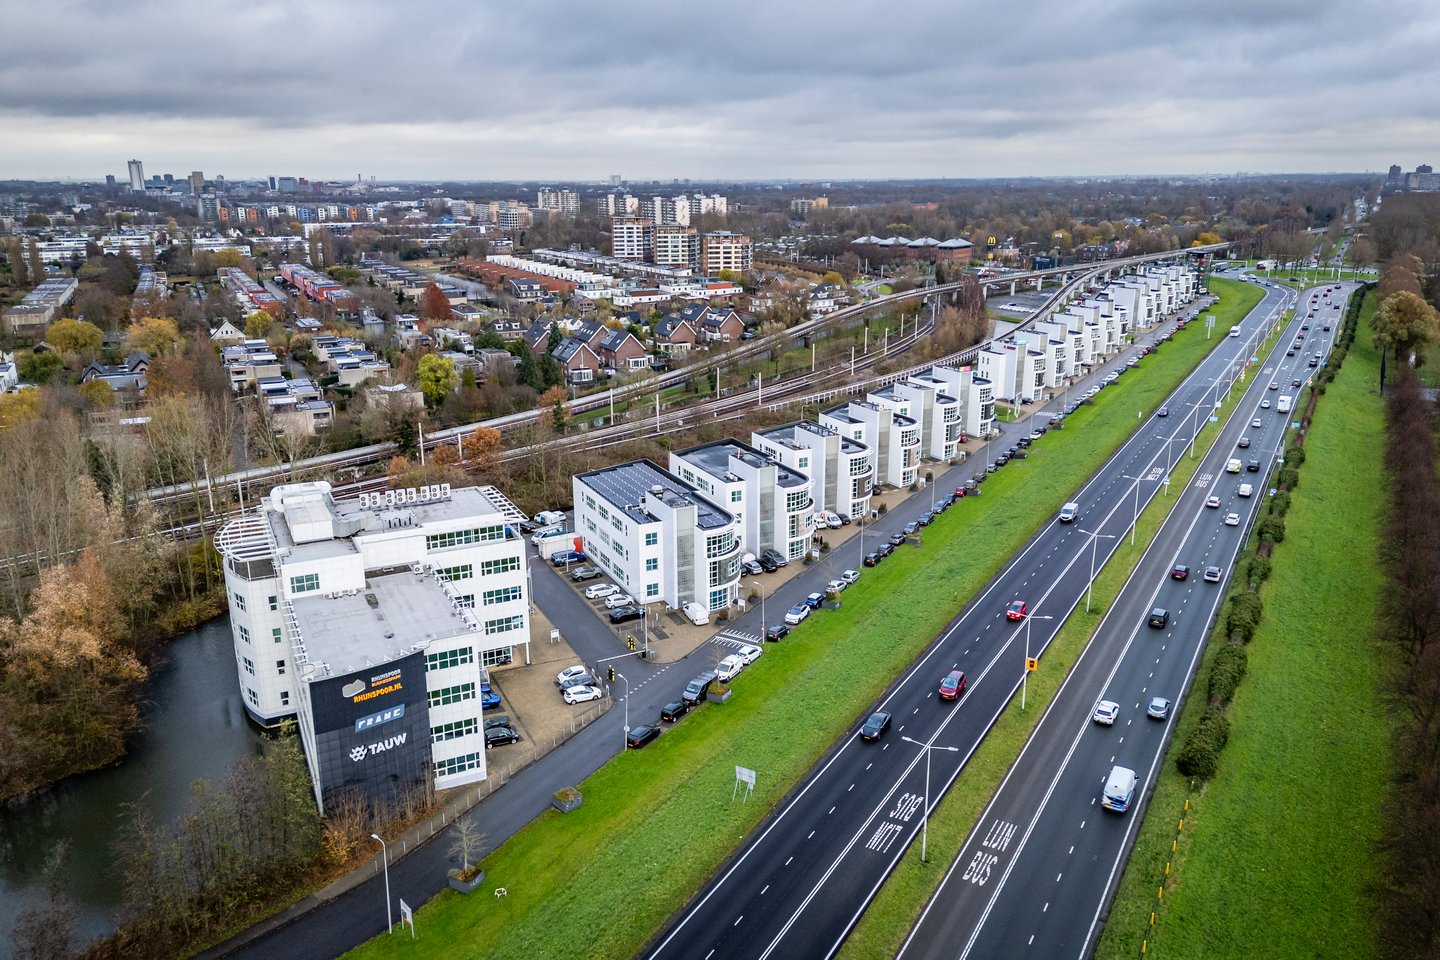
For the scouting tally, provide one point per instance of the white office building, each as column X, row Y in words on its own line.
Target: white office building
column 838, row 466
column 370, row 620
column 771, row 502
column 657, row 536
column 892, row 439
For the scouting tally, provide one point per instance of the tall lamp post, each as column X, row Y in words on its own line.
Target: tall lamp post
column 1169, row 460
column 385, row 851
column 1135, row 519
column 925, row 822
column 761, row 587
column 1094, row 550
column 627, row 710
column 1025, row 677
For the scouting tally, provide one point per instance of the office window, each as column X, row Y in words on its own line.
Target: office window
column 453, row 731
column 503, row 595
column 459, row 538
column 449, row 658
column 497, row 656
column 467, row 601
column 737, row 495
column 274, row 602
column 802, row 462
column 503, row 624
column 239, row 601
column 280, row 667
column 253, row 697
column 455, row 694
column 276, row 634
column 305, row 583
column 457, row 764
column 284, row 698
column 503, row 565
column 652, row 590
column 652, row 563
column 652, row 539
column 249, row 665
column 461, row 572
column 244, row 633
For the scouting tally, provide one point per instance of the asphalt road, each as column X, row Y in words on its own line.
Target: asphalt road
column 799, row 884
column 1036, row 877
column 354, row 917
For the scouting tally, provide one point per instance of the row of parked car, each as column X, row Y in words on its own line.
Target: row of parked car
column 694, row 693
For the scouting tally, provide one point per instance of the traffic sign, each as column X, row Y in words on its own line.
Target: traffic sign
column 1032, row 664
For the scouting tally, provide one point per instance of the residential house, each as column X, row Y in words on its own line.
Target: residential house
column 675, row 334
column 580, row 363
column 622, row 352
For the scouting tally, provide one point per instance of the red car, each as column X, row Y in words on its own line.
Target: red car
column 953, row 685
column 1016, row 610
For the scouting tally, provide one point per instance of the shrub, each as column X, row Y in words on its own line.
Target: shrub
column 1245, row 612
column 1280, row 504
column 1226, row 672
column 1200, row 757
column 1288, row 478
column 1294, row 455
column 1259, row 569
column 1271, row 529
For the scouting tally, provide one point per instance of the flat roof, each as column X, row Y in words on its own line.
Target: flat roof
column 714, row 459
column 389, row 619
column 625, row 487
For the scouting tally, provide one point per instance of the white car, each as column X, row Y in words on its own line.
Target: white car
column 832, row 520
column 599, row 591
column 582, row 694
column 1232, row 519
column 1255, row 422
column 563, row 678
column 1105, row 712
column 1265, row 404
column 835, row 586
column 616, row 600
column 748, row 652
column 850, row 576
column 730, row 668
column 1212, row 502
column 797, row 614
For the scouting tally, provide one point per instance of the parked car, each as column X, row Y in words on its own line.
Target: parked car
column 582, row 694
column 1016, row 610
column 796, row 615
column 953, row 686
column 599, row 591
column 1159, row 708
column 1105, row 712
column 885, row 549
column 776, row 632
column 813, row 600
column 749, row 652
column 626, row 614
column 768, row 565
column 751, row 567
column 562, row 557
column 499, row 736
column 875, row 726
column 500, row 720
column 565, row 678
column 836, row 586
column 584, row 572
column 896, row 539
column 489, row 699
column 617, row 600
column 912, row 527
column 873, row 558
column 729, row 668
column 775, row 557
column 674, row 710
column 641, row 735
column 850, row 576
column 845, row 519
column 832, row 520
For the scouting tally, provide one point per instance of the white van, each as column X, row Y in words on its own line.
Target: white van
column 696, row 613
column 1283, row 404
column 730, row 667
column 1069, row 512
column 1119, row 789
column 1245, row 490
column 549, row 518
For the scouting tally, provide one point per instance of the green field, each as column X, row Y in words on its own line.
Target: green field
column 657, row 823
column 1277, row 849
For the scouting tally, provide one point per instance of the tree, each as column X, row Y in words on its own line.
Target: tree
column 17, row 407
column 434, row 305
column 466, row 844
column 97, row 394
column 37, row 265
column 437, row 379
column 46, row 930
column 156, row 336
column 554, row 399
column 554, row 339
column 76, row 338
column 15, row 256
column 1407, row 324
column 259, row 325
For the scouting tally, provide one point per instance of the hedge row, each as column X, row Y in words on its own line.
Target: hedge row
column 1199, row 756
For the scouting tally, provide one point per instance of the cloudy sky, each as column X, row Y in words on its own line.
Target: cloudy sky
column 548, row 89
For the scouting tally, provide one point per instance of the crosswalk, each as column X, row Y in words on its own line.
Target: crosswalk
column 735, row 638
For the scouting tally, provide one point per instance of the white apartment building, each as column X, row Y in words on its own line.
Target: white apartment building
column 1017, row 371
column 632, row 238
column 669, row 210
column 976, row 395
column 938, row 412
column 838, row 466
column 657, row 536
column 370, row 620
column 893, row 439
column 725, row 250
column 771, row 502
column 566, row 202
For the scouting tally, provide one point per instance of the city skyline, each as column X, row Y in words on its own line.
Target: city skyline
column 480, row 92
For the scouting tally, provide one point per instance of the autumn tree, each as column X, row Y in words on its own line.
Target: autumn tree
column 259, row 325
column 75, row 338
column 437, row 379
column 1406, row 324
column 434, row 305
column 15, row 256
column 553, row 400
column 156, row 336
column 98, row 394
column 36, row 264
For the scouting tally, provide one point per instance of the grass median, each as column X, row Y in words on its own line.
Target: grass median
column 1277, row 849
column 657, row 823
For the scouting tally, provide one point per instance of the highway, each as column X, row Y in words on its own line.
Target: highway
column 1036, row 876
column 802, row 880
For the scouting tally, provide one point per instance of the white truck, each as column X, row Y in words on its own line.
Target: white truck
column 553, row 544
column 1283, row 404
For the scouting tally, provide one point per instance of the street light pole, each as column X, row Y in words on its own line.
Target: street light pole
column 1094, row 550
column 627, row 710
column 761, row 587
column 385, row 851
column 1135, row 519
column 925, row 813
column 1025, row 677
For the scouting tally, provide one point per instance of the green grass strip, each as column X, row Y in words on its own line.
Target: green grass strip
column 1276, row 851
column 658, row 822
